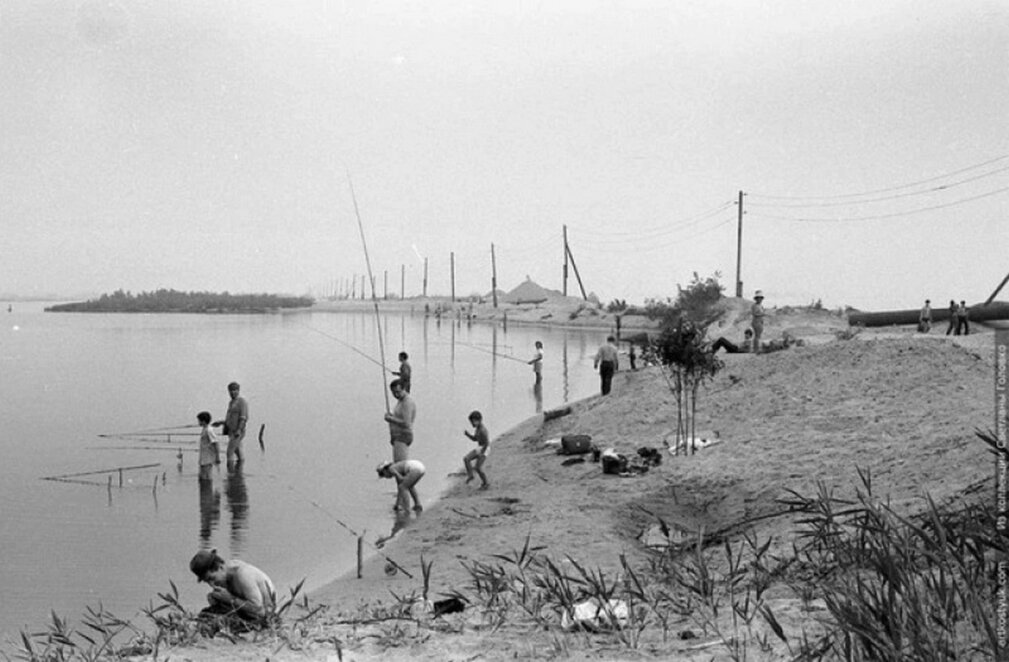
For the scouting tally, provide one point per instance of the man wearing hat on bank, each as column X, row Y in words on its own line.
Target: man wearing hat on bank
column 757, row 321
column 239, row 588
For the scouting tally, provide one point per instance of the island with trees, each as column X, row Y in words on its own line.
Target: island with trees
column 173, row 301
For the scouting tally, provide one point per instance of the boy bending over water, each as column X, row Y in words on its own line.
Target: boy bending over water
column 407, row 474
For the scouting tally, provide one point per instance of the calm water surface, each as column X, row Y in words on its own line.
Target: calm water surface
column 70, row 384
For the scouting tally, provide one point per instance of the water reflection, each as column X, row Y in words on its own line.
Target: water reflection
column 398, row 524
column 210, row 511
column 238, row 506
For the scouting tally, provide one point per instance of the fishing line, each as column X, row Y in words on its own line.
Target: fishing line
column 338, row 521
column 491, row 352
column 374, row 297
column 160, row 430
column 347, row 345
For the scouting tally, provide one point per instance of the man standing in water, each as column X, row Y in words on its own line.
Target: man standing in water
column 405, row 372
column 537, row 362
column 234, row 424
column 401, row 422
column 607, row 362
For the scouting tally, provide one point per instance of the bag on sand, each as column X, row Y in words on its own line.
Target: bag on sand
column 575, row 444
column 613, row 462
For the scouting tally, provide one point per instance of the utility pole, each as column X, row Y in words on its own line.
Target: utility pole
column 451, row 256
column 565, row 260
column 425, row 278
column 402, row 281
column 385, row 287
column 739, row 248
column 569, row 255
column 493, row 275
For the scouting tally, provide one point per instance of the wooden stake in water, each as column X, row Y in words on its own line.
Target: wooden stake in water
column 360, row 555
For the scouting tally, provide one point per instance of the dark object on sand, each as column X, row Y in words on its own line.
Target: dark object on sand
column 575, row 444
column 556, row 413
column 448, row 606
column 613, row 462
column 650, row 456
column 572, row 460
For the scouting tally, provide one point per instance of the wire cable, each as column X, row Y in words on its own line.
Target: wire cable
column 883, row 216
column 882, row 190
column 896, row 196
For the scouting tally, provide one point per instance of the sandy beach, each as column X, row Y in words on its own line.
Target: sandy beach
column 899, row 405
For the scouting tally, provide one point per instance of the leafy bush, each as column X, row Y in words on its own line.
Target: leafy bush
column 696, row 300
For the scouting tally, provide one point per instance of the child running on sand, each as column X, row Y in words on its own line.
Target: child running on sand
column 475, row 458
column 210, row 453
column 407, row 474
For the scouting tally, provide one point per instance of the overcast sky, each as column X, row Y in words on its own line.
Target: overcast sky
column 206, row 146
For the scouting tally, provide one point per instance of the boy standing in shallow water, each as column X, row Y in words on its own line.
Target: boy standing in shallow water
column 210, row 453
column 475, row 458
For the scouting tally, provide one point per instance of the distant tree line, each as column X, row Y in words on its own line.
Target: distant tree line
column 173, row 301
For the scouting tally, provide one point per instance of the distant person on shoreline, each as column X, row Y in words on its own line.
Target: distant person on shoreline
column 731, row 347
column 234, row 423
column 757, row 319
column 475, row 458
column 608, row 362
column 210, row 449
column 952, row 317
column 925, row 317
column 401, row 422
column 405, row 372
column 537, row 362
column 240, row 588
column 407, row 474
column 961, row 319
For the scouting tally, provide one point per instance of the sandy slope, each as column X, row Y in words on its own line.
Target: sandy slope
column 901, row 405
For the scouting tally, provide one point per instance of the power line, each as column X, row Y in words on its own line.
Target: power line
column 896, row 196
column 883, row 190
column 883, row 216
column 659, row 231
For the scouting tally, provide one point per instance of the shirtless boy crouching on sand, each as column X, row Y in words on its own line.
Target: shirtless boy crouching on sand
column 238, row 587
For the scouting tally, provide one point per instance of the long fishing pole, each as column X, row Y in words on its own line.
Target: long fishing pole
column 154, row 431
column 491, row 352
column 374, row 298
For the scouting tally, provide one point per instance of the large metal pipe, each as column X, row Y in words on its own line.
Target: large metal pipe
column 997, row 310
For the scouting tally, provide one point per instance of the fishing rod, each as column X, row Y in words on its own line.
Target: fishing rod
column 153, row 431
column 340, row 522
column 348, row 346
column 374, row 297
column 491, row 352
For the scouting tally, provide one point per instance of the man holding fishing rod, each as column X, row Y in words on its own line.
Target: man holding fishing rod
column 401, row 421
column 234, row 424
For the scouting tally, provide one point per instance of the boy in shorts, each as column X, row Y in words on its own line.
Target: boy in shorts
column 407, row 474
column 475, row 458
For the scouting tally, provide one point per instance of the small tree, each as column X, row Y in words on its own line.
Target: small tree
column 687, row 362
column 686, row 356
column 697, row 300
